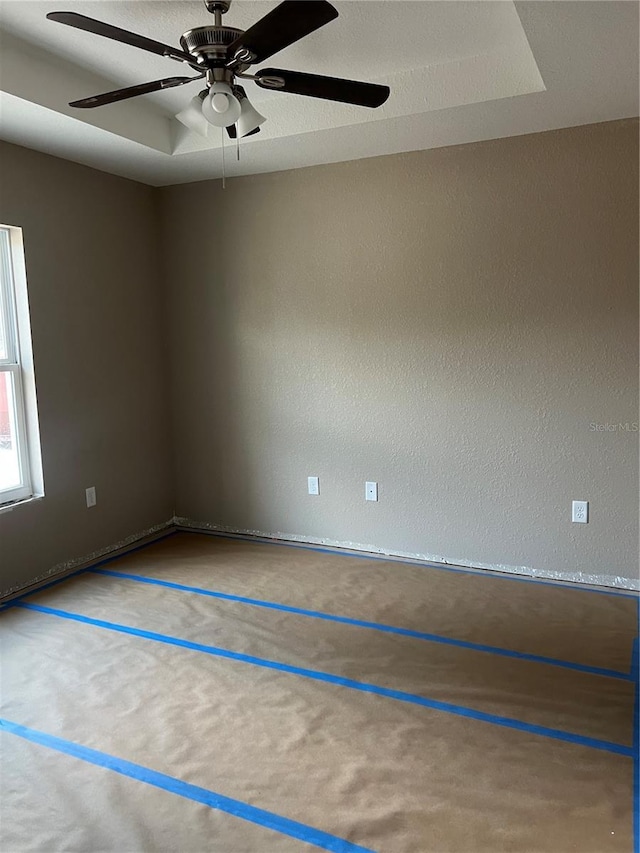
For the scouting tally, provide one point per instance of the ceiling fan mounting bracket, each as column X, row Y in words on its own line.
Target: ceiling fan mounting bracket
column 214, row 6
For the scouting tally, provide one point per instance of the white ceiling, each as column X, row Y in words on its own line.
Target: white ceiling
column 459, row 72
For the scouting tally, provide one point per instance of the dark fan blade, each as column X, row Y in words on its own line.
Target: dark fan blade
column 330, row 88
column 288, row 22
column 232, row 132
column 132, row 92
column 82, row 22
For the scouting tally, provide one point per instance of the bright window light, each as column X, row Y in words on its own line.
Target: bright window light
column 20, row 459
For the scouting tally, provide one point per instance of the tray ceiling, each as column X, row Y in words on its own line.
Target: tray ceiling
column 458, row 71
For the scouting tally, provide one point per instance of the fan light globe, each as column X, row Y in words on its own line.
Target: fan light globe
column 191, row 116
column 221, row 108
column 250, row 119
column 220, row 102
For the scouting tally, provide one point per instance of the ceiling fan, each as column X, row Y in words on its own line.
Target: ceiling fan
column 224, row 54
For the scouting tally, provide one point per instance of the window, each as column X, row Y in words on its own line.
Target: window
column 20, row 462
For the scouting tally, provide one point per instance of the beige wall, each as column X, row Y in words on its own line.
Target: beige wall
column 448, row 323
column 92, row 269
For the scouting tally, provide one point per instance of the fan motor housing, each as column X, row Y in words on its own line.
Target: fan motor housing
column 209, row 43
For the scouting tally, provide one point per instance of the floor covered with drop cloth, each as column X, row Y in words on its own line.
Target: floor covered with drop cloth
column 293, row 700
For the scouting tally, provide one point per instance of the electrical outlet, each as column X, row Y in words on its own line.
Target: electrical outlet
column 370, row 491
column 313, row 485
column 580, row 511
column 91, row 496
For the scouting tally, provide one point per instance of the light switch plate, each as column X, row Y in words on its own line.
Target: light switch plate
column 370, row 491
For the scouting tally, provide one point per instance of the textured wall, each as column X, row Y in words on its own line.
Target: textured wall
column 448, row 323
column 92, row 271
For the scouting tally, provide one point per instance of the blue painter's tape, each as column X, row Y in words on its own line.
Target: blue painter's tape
column 399, row 695
column 635, row 663
column 375, row 626
column 237, row 808
column 491, row 574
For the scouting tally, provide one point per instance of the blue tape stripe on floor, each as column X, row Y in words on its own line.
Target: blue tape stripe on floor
column 458, row 710
column 491, row 574
column 376, row 626
column 636, row 747
column 244, row 811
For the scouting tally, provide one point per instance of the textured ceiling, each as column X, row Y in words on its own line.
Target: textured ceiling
column 458, row 71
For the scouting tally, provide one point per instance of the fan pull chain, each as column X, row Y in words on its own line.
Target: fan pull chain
column 224, row 183
column 237, row 144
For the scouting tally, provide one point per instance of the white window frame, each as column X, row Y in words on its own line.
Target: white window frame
column 18, row 364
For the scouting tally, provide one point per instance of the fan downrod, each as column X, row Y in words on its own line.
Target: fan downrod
column 217, row 8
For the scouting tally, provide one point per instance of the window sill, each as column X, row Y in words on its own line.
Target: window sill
column 8, row 507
